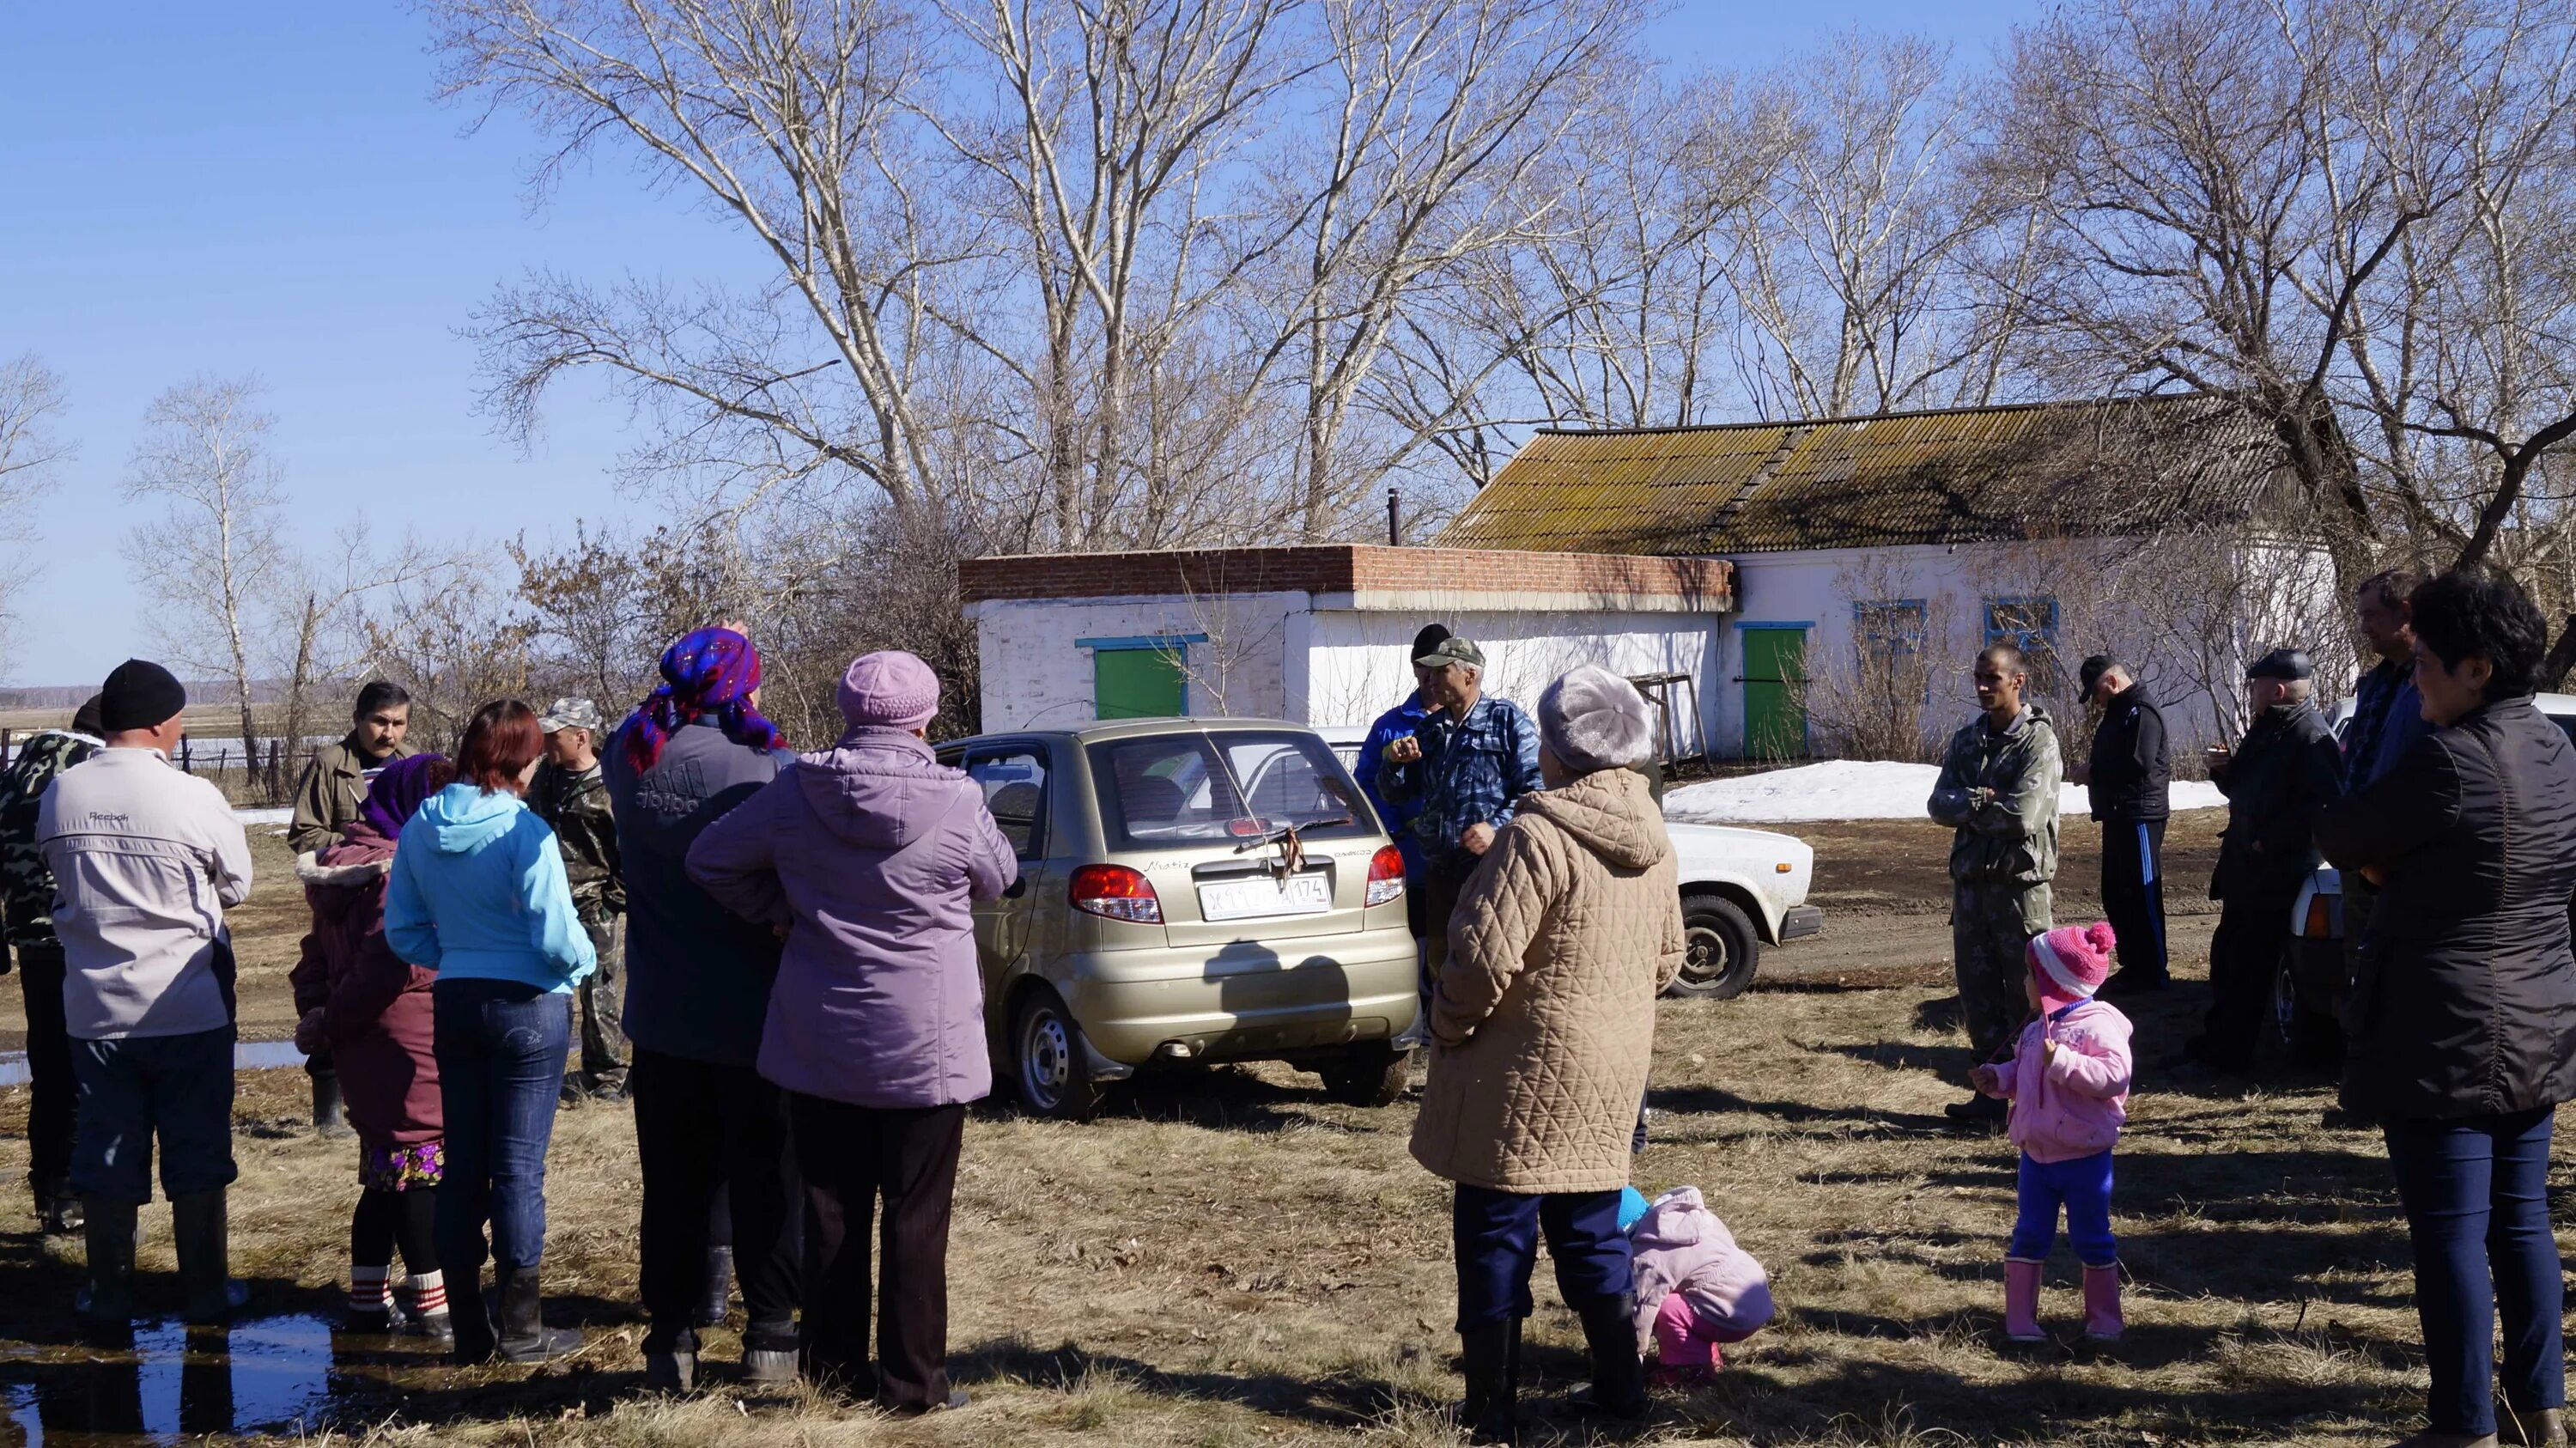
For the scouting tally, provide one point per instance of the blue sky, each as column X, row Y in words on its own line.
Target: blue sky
column 269, row 188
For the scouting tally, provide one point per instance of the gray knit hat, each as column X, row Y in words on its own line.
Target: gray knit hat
column 1592, row 719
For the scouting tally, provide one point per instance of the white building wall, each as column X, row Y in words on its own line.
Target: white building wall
column 1036, row 674
column 1358, row 666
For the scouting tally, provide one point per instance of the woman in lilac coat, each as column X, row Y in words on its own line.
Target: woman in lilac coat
column 870, row 856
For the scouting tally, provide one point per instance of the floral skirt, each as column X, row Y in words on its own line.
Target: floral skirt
column 401, row 1168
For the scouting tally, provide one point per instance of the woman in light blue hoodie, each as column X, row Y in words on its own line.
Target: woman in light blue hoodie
column 478, row 895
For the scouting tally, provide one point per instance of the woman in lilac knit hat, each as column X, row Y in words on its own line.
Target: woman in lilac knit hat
column 869, row 856
column 2068, row 1082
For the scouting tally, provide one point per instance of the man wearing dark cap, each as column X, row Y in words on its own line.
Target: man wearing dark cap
column 2279, row 775
column 1461, row 770
column 146, row 860
column 27, row 898
column 2129, row 779
column 1400, row 722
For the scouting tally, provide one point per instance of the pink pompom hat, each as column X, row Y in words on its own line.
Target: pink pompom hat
column 2072, row 962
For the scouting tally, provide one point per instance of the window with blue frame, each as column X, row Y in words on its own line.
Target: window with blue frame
column 2028, row 623
column 1889, row 631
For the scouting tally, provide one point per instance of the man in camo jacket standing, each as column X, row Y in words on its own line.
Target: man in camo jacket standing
column 570, row 794
column 27, row 893
column 1998, row 789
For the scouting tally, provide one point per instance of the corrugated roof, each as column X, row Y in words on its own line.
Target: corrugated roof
column 1956, row 476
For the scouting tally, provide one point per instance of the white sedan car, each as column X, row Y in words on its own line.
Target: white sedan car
column 1741, row 890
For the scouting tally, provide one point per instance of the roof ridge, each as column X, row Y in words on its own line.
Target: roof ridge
column 2056, row 404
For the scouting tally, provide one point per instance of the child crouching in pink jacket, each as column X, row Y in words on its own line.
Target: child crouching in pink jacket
column 1695, row 1288
column 2069, row 1087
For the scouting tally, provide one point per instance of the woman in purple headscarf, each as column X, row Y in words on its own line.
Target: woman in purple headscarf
column 372, row 1011
column 697, row 990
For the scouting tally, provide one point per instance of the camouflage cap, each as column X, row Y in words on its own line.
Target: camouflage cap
column 569, row 714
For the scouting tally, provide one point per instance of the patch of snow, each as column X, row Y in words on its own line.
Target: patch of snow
column 264, row 816
column 1857, row 789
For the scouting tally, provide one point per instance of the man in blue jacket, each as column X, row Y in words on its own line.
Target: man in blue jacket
column 1398, row 723
column 1461, row 771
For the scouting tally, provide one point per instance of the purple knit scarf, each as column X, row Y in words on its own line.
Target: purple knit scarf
column 397, row 792
column 710, row 672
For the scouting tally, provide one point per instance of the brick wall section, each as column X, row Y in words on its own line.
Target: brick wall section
column 1335, row 568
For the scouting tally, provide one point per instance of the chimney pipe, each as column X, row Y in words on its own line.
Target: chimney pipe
column 1394, row 519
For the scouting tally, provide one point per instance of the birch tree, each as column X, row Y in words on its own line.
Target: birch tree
column 32, row 451
column 211, row 558
column 777, row 117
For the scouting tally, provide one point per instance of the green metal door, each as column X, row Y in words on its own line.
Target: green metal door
column 1775, row 705
column 1136, row 683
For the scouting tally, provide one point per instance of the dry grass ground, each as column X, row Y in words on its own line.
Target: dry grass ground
column 1228, row 1259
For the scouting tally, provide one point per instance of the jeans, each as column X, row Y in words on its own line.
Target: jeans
column 707, row 1135
column 2083, row 1187
column 2476, row 1191
column 179, row 1088
column 50, row 1088
column 849, row 1156
column 501, row 1046
column 2133, row 894
column 1495, row 1235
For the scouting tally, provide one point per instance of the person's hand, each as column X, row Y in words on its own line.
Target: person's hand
column 1980, row 797
column 1987, row 1080
column 2047, row 1049
column 1403, row 749
column 2377, row 875
column 1477, row 839
column 308, row 1033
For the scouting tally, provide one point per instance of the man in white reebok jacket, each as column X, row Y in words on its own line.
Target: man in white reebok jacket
column 145, row 860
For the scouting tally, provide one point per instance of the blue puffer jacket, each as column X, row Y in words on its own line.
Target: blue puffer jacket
column 478, row 892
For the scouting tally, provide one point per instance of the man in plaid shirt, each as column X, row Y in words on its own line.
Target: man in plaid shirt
column 1464, row 766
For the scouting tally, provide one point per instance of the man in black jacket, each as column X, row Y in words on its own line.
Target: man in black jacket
column 2281, row 773
column 2129, row 777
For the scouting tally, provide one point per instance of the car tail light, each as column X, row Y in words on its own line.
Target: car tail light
column 1386, row 876
column 2320, row 917
column 1115, row 892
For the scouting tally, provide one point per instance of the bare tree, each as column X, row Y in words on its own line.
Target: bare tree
column 776, row 116
column 212, row 557
column 32, row 401
column 1437, row 110
column 316, row 624
column 1853, row 271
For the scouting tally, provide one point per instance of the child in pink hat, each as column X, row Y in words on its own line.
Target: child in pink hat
column 2068, row 1082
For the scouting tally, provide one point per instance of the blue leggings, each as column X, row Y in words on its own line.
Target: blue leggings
column 2476, row 1191
column 2083, row 1187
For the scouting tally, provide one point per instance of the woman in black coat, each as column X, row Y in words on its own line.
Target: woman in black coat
column 2462, row 1020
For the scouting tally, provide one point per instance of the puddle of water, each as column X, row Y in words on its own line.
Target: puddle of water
column 247, row 1056
column 280, row 1374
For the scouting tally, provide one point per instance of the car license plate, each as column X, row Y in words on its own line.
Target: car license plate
column 1256, row 896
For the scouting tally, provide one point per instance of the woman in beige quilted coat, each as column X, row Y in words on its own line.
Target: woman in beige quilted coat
column 1543, row 1021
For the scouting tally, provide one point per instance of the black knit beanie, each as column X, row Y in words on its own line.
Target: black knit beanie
column 86, row 720
column 139, row 695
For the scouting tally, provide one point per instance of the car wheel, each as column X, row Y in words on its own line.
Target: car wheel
column 1046, row 1059
column 1721, row 951
column 2309, row 1037
column 1372, row 1076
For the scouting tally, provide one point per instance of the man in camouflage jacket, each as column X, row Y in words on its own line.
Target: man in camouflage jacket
column 570, row 794
column 1998, row 789
column 27, row 897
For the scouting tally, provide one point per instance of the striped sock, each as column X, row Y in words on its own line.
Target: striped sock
column 425, row 1294
column 369, row 1288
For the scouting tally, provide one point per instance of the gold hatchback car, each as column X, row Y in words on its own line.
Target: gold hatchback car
column 1191, row 891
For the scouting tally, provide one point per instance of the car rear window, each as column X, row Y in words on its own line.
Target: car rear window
column 1224, row 787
